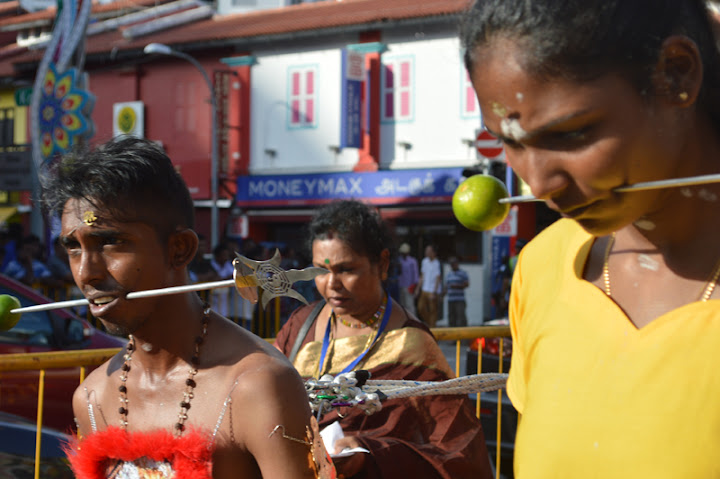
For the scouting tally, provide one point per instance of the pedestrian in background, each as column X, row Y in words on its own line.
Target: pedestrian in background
column 455, row 283
column 409, row 277
column 26, row 268
column 430, row 287
column 222, row 264
column 200, row 268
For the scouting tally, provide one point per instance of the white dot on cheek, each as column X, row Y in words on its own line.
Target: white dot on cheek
column 646, row 225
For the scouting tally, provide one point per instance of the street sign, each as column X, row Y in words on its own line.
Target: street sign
column 129, row 119
column 23, row 96
column 353, row 75
column 509, row 226
column 15, row 170
column 488, row 146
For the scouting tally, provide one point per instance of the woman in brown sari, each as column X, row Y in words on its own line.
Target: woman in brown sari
column 358, row 326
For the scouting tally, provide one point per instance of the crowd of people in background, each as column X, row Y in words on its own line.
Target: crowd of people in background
column 26, row 258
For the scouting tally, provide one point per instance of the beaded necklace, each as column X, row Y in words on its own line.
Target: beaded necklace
column 370, row 323
column 328, row 344
column 189, row 382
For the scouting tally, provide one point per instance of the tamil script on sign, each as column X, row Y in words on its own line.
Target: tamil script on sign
column 384, row 187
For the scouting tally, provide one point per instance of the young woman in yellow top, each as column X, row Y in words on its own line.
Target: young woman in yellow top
column 613, row 311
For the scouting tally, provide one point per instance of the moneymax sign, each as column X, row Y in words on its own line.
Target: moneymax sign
column 381, row 188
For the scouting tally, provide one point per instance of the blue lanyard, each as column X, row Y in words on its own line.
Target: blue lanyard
column 351, row 366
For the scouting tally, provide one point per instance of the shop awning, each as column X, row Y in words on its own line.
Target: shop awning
column 6, row 212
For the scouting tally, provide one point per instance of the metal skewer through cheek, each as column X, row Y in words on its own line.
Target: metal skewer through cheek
column 647, row 185
column 134, row 295
column 248, row 276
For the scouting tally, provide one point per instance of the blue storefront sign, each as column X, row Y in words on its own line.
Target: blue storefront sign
column 425, row 186
column 353, row 74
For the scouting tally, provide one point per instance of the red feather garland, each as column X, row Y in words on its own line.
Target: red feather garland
column 190, row 455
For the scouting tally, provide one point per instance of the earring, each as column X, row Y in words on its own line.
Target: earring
column 683, row 96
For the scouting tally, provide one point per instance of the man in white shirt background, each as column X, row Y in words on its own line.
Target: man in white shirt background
column 430, row 287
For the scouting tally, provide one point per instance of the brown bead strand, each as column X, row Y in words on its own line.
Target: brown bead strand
column 123, row 382
column 189, row 382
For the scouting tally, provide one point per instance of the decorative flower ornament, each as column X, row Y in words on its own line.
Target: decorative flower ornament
column 63, row 107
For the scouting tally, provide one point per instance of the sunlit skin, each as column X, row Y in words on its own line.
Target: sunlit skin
column 582, row 140
column 110, row 259
column 352, row 286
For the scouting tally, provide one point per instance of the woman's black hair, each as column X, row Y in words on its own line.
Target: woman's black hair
column 585, row 39
column 354, row 223
column 131, row 178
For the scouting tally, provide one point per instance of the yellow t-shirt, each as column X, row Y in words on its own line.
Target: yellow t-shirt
column 598, row 397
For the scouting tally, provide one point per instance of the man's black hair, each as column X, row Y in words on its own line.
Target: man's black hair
column 355, row 223
column 583, row 40
column 131, row 178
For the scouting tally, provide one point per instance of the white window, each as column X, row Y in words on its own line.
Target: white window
column 302, row 99
column 397, row 89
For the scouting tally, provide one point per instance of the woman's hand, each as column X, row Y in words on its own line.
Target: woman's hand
column 349, row 465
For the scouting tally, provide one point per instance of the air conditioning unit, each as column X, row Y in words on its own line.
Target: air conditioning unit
column 129, row 119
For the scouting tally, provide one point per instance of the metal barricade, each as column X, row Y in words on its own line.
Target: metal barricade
column 270, row 322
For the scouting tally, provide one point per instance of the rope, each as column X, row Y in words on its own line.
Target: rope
column 355, row 389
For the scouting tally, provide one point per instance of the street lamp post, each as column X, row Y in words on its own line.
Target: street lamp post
column 159, row 48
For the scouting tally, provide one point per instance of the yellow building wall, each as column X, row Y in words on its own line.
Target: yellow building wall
column 7, row 100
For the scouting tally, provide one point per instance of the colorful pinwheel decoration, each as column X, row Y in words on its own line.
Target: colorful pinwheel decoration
column 63, row 108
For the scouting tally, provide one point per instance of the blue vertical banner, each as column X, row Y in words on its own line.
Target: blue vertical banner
column 353, row 74
column 500, row 255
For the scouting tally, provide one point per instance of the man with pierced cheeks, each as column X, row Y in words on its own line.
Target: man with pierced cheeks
column 193, row 394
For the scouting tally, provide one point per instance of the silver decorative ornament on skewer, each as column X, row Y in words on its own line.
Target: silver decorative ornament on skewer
column 248, row 275
column 269, row 276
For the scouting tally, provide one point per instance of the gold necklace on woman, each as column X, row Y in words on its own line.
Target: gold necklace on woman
column 369, row 323
column 328, row 343
column 189, row 382
column 707, row 291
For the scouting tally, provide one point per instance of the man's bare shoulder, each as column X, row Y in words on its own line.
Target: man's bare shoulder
column 267, row 394
column 93, row 389
column 232, row 344
column 255, row 365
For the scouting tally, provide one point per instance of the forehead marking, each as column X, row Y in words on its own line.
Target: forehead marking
column 510, row 127
column 89, row 218
column 498, row 109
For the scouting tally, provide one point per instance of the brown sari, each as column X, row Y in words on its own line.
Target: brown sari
column 419, row 437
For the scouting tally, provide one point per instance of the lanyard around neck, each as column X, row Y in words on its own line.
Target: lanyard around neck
column 351, row 366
